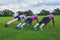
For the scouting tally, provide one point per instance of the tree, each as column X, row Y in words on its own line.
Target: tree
column 8, row 12
column 19, row 12
column 28, row 13
column 1, row 13
column 56, row 11
column 43, row 12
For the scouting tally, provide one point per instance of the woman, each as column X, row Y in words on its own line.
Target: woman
column 19, row 17
column 45, row 21
column 28, row 21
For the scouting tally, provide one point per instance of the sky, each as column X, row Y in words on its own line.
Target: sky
column 35, row 5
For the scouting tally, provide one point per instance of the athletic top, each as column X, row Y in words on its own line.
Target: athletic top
column 51, row 16
column 34, row 17
column 22, row 16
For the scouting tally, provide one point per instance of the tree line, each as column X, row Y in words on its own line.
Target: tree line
column 7, row 12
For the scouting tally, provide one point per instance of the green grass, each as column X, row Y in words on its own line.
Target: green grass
column 11, row 33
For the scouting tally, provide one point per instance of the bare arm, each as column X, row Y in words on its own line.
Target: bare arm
column 53, row 22
column 37, row 20
column 24, row 17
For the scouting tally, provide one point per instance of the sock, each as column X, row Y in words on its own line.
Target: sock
column 35, row 27
column 21, row 27
column 41, row 28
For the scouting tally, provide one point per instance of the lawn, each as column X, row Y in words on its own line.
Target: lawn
column 11, row 33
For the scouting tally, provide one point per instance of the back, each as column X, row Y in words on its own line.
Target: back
column 51, row 16
column 22, row 16
column 34, row 17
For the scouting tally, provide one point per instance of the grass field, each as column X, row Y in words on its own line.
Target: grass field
column 11, row 33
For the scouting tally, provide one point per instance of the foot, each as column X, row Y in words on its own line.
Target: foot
column 41, row 29
column 6, row 25
column 34, row 28
column 17, row 27
column 21, row 27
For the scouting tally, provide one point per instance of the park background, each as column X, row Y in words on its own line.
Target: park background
column 11, row 8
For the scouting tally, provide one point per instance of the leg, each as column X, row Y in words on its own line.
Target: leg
column 44, row 22
column 22, row 25
column 45, row 26
column 18, row 25
column 36, row 26
column 42, row 26
column 11, row 22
